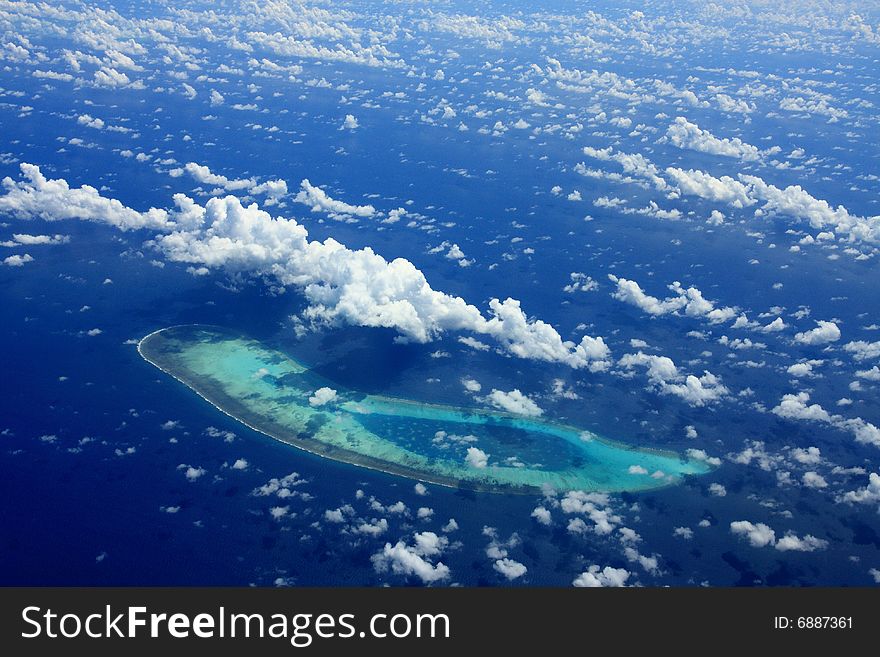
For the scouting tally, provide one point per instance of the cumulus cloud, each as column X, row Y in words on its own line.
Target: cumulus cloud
column 870, row 494
column 633, row 164
column 542, row 515
column 758, row 535
column 322, row 396
column 18, row 260
column 580, row 282
column 797, row 407
column 192, row 473
column 471, row 385
column 514, row 402
column 800, row 370
column 792, row 201
column 204, row 175
column 273, row 189
column 357, row 287
column 595, row 507
column 36, row 197
column 414, row 560
column 602, row 577
column 862, row 350
column 824, row 333
column 510, row 568
column 684, row 134
column 689, row 300
column 872, row 374
column 476, row 458
column 724, row 189
column 319, row 201
column 817, row 105
column 812, row 479
column 793, row 543
column 665, row 376
column 39, row 240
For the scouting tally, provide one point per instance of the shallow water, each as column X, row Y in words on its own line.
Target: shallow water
column 270, row 392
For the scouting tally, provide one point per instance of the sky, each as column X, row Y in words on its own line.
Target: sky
column 655, row 221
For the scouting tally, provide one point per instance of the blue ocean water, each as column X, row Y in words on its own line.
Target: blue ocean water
column 94, row 437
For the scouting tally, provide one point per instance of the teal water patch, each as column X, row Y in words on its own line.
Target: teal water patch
column 459, row 447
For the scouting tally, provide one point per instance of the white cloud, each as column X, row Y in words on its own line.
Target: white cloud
column 814, row 480
column 718, row 490
column 111, row 78
column 90, row 121
column 602, row 577
column 322, row 396
column 684, row 134
column 872, row 374
column 35, row 197
column 471, row 385
column 734, row 105
column 824, row 333
column 281, row 487
column 509, row 568
column 38, row 240
column 595, row 507
column 870, row 494
column 796, row 407
column 376, row 527
column 192, row 473
column 775, row 326
column 273, row 189
column 634, row 164
column 800, row 370
column 542, row 515
column 356, row 287
column 683, row 532
column 793, row 201
column 514, row 402
column 724, row 189
column 862, row 350
column 758, row 535
column 792, row 543
column 631, row 292
column 204, row 175
column 690, row 300
column 820, row 106
column 414, row 560
column 808, row 456
column 295, row 46
column 665, row 376
column 17, row 260
column 476, row 458
column 580, row 283
column 350, row 122
column 319, row 201
column 473, row 343
column 702, row 455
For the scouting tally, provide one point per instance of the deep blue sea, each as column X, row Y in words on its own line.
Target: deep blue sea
column 92, row 491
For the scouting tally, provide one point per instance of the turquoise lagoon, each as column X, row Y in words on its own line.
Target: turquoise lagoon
column 269, row 391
